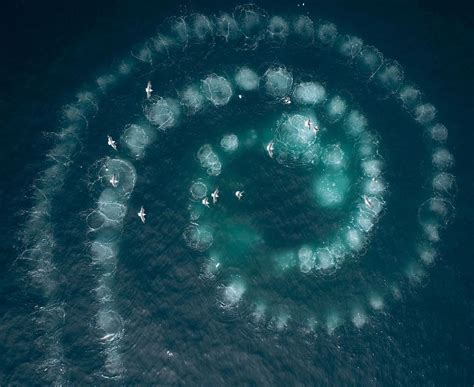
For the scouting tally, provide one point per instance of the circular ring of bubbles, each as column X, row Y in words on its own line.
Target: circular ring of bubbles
column 294, row 147
column 300, row 140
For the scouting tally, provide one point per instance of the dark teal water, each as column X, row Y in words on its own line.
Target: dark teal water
column 175, row 329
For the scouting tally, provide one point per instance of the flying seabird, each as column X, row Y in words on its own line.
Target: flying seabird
column 142, row 214
column 367, row 201
column 239, row 194
column 205, row 201
column 114, row 181
column 111, row 142
column 270, row 149
column 148, row 90
column 215, row 196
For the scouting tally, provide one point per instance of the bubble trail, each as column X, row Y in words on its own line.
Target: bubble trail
column 318, row 132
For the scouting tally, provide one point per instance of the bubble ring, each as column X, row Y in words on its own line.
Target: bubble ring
column 245, row 29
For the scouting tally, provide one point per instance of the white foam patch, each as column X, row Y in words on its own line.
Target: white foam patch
column 327, row 33
column 331, row 189
column 438, row 132
column 111, row 324
column 309, row 93
column 106, row 81
column 425, row 113
column 247, row 79
column 103, row 253
column 359, row 318
column 374, row 186
column 163, row 113
column 355, row 123
column 280, row 321
column 202, row 27
column 334, row 157
column 333, row 321
column 336, row 108
column 285, row 261
column 198, row 238
column 110, row 205
column 209, row 160
column 259, row 312
column 364, row 221
column 431, row 231
column 444, row 183
column 324, row 260
column 354, row 239
column 442, row 159
column 227, row 27
column 295, row 143
column 278, row 82
column 369, row 60
column 376, row 302
column 198, row 190
column 192, row 99
column 123, row 171
column 217, row 89
column 415, row 273
column 372, row 168
column 212, row 266
column 306, row 259
column 410, row 97
column 234, row 292
column 277, row 29
column 350, row 46
column 252, row 21
column 304, row 29
column 161, row 44
column 427, row 254
column 180, row 31
column 230, row 143
column 390, row 76
column 436, row 210
column 137, row 138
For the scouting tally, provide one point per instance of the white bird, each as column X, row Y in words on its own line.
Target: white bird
column 286, row 100
column 239, row 194
column 215, row 196
column 111, row 142
column 270, row 149
column 114, row 181
column 367, row 201
column 148, row 89
column 308, row 123
column 240, row 96
column 205, row 201
column 142, row 214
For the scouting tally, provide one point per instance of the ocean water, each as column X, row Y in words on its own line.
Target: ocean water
column 346, row 262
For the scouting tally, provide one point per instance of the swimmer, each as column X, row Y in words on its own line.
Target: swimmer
column 239, row 194
column 367, row 201
column 270, row 149
column 148, row 90
column 114, row 181
column 205, row 201
column 142, row 214
column 215, row 196
column 111, row 142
